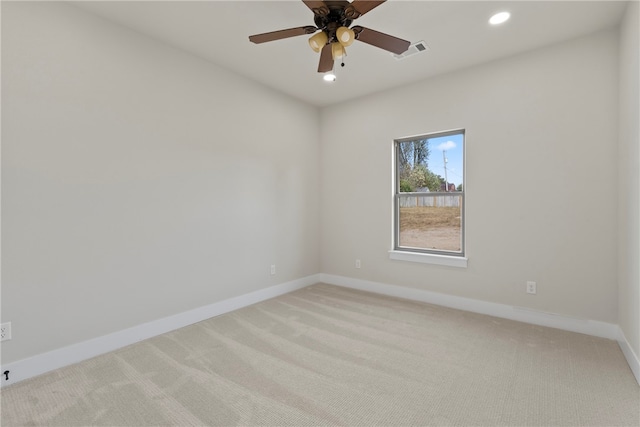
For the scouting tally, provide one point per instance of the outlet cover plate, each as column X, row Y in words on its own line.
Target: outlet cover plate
column 5, row 331
column 531, row 288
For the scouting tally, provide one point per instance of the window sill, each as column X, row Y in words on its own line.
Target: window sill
column 450, row 261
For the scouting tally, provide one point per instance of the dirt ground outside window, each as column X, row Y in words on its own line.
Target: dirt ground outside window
column 437, row 228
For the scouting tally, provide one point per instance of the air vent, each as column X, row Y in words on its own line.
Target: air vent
column 414, row 48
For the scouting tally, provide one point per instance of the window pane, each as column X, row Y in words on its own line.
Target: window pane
column 431, row 222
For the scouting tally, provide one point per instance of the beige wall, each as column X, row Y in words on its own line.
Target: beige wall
column 139, row 181
column 541, row 179
column 629, row 179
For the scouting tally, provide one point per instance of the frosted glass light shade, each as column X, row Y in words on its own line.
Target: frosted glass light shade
column 337, row 51
column 345, row 36
column 318, row 40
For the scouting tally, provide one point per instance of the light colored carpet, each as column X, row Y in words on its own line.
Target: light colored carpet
column 326, row 355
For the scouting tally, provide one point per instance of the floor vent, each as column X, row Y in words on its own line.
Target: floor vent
column 414, row 48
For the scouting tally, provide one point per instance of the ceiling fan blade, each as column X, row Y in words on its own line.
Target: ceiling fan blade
column 282, row 34
column 326, row 59
column 317, row 6
column 364, row 6
column 381, row 40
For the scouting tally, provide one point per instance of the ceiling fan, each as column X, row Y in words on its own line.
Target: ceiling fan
column 333, row 18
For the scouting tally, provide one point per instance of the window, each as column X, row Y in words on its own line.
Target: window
column 429, row 194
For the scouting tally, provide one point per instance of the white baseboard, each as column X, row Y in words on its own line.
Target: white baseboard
column 55, row 359
column 521, row 314
column 629, row 354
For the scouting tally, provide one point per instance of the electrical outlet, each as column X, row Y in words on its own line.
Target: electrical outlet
column 5, row 331
column 273, row 269
column 531, row 288
column 358, row 264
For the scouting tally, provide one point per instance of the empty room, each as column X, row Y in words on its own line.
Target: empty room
column 327, row 212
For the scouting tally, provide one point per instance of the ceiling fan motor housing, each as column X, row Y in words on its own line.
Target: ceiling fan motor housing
column 333, row 16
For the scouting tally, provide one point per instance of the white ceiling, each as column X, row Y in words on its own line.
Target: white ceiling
column 457, row 33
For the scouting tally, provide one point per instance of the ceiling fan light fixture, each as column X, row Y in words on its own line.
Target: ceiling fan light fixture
column 345, row 36
column 337, row 50
column 318, row 40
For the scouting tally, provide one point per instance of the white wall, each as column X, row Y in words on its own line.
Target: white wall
column 541, row 179
column 139, row 181
column 629, row 178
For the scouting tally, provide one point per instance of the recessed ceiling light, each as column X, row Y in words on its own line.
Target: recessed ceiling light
column 499, row 18
column 329, row 77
